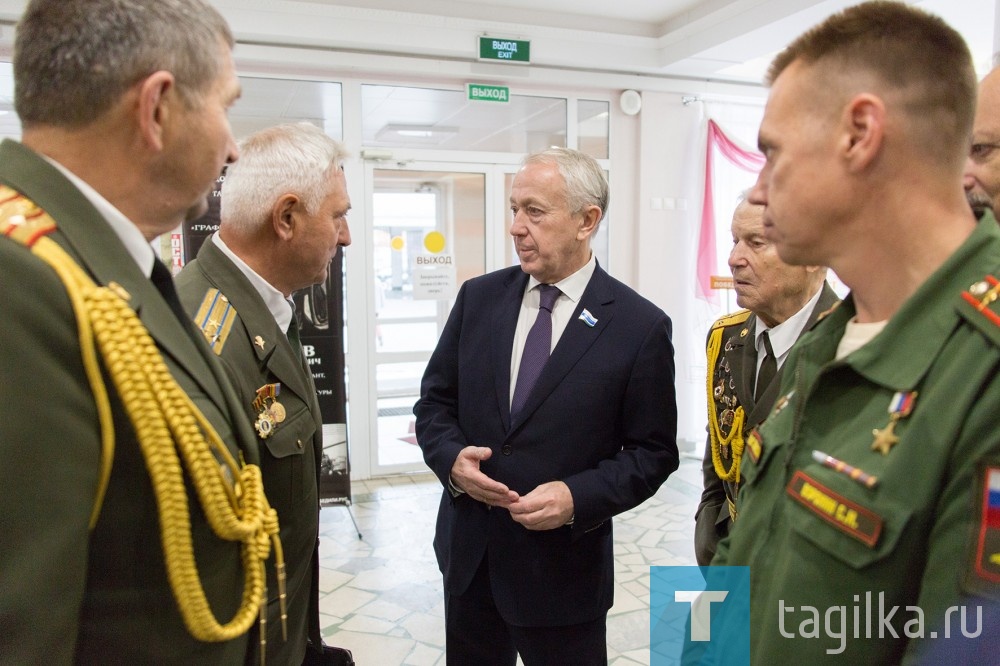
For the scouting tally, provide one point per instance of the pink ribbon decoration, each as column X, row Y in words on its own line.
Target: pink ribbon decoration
column 748, row 160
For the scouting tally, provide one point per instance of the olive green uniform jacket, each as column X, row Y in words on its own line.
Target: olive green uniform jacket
column 255, row 352
column 921, row 535
column 733, row 384
column 68, row 595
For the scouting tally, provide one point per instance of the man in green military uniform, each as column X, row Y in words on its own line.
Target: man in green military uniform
column 746, row 351
column 868, row 505
column 284, row 217
column 114, row 553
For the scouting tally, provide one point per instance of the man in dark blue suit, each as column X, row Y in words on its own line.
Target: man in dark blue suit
column 544, row 411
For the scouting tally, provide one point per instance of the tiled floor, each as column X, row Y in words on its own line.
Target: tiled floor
column 380, row 596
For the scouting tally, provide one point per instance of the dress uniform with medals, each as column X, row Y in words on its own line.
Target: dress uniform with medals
column 875, row 482
column 733, row 411
column 131, row 587
column 278, row 397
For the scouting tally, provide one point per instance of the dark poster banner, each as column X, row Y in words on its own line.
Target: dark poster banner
column 198, row 230
column 320, row 313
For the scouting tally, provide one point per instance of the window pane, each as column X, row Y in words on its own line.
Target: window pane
column 404, row 117
column 408, row 337
column 269, row 102
column 592, row 128
column 10, row 126
column 398, row 386
column 263, row 103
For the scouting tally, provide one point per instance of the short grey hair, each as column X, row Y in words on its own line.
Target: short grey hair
column 296, row 158
column 586, row 184
column 74, row 59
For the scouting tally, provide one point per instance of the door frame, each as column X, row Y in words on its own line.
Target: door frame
column 362, row 356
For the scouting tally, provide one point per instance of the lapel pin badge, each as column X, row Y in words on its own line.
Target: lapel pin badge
column 588, row 318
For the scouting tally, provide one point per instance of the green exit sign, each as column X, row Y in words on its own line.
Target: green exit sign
column 504, row 50
column 484, row 93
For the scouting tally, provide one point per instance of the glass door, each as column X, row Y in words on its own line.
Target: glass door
column 430, row 230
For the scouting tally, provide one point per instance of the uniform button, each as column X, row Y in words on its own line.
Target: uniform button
column 506, row 449
column 299, row 443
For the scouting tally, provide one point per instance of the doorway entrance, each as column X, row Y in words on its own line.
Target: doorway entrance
column 430, row 227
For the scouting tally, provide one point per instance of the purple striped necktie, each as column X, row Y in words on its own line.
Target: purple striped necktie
column 537, row 347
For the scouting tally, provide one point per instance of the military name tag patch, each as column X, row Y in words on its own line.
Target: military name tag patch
column 754, row 446
column 850, row 518
column 988, row 545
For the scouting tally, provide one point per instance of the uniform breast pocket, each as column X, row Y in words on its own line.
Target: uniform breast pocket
column 843, row 521
column 288, row 460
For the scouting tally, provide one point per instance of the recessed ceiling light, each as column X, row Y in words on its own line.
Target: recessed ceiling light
column 434, row 132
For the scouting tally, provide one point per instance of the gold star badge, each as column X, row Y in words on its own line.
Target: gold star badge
column 885, row 438
column 899, row 408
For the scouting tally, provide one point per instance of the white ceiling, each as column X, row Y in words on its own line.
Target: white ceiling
column 712, row 39
column 635, row 17
column 574, row 43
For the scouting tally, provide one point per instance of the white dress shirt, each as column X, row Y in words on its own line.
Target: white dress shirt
column 571, row 289
column 135, row 243
column 784, row 335
column 281, row 308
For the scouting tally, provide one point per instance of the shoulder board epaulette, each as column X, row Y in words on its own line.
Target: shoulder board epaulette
column 982, row 307
column 731, row 319
column 21, row 219
column 215, row 318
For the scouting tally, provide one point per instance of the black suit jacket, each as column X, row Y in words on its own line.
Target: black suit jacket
column 602, row 418
column 739, row 356
column 69, row 595
column 290, row 456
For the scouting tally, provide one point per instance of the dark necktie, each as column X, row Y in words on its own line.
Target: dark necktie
column 768, row 368
column 164, row 283
column 294, row 339
column 537, row 347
